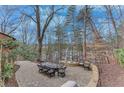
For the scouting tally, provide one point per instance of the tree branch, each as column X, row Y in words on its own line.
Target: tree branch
column 47, row 22
column 29, row 17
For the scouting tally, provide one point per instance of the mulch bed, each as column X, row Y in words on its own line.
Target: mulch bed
column 111, row 75
column 12, row 82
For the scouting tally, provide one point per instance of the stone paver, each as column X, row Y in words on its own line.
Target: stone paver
column 28, row 76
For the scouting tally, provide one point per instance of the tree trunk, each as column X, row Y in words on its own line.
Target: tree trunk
column 0, row 61
column 38, row 32
column 97, row 37
column 39, row 49
column 85, row 27
column 1, row 82
column 84, row 45
column 113, row 23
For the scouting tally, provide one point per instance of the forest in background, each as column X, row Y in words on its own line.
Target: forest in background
column 47, row 32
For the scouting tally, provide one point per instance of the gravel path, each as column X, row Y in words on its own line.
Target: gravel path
column 28, row 76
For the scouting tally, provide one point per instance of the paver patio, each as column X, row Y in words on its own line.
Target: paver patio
column 28, row 76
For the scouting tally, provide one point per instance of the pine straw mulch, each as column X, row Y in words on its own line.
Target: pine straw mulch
column 111, row 75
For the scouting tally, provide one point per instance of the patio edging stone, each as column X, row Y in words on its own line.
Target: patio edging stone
column 95, row 76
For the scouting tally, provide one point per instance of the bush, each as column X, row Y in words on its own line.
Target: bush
column 8, row 71
column 27, row 52
column 120, row 55
column 7, row 57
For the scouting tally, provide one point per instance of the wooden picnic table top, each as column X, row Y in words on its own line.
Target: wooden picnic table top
column 51, row 65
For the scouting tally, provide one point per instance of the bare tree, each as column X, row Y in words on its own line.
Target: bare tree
column 110, row 14
column 9, row 21
column 86, row 18
column 27, row 31
column 71, row 22
column 37, row 20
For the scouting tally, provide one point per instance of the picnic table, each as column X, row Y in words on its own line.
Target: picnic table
column 51, row 68
column 51, row 65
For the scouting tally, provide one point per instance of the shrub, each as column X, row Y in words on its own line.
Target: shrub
column 8, row 71
column 120, row 55
column 27, row 52
column 7, row 58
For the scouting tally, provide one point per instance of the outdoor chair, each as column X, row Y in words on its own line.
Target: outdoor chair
column 51, row 72
column 45, row 69
column 86, row 65
column 61, row 72
column 40, row 68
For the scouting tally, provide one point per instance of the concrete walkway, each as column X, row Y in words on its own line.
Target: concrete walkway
column 28, row 76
